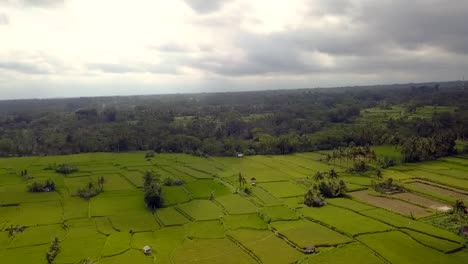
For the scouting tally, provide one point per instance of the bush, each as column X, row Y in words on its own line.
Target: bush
column 47, row 186
column 313, row 199
column 387, row 162
column 387, row 187
column 332, row 188
column 62, row 168
column 168, row 181
column 149, row 154
column 53, row 251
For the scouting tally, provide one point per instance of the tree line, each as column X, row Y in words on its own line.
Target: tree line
column 224, row 124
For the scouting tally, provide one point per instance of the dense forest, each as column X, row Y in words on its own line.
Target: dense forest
column 424, row 119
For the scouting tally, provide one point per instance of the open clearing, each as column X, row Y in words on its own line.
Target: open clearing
column 208, row 220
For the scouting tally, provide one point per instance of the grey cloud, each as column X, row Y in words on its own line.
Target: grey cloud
column 43, row 3
column 206, row 6
column 135, row 68
column 366, row 45
column 24, row 67
column 172, row 47
column 4, row 20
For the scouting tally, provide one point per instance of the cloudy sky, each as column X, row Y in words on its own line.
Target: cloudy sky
column 63, row 48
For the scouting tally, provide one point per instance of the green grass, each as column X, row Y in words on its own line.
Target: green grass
column 433, row 242
column 345, row 254
column 174, row 195
column 284, row 189
column 397, row 247
column 202, row 189
column 38, row 235
column 116, row 243
column 135, row 222
column 278, row 213
column 170, row 216
column 205, row 229
column 114, row 226
column 249, row 221
column 264, row 243
column 344, row 220
column 235, row 204
column 130, row 256
column 201, row 210
column 306, row 233
column 349, row 204
column 213, row 251
column 404, row 222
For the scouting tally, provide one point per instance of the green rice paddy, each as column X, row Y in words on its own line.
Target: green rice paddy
column 207, row 220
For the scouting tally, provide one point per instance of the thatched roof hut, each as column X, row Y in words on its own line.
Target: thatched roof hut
column 309, row 249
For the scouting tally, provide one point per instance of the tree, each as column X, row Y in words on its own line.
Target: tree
column 318, row 176
column 241, row 180
column 152, row 191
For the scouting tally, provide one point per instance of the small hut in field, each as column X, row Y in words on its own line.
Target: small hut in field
column 147, row 250
column 240, row 155
column 253, row 180
column 309, row 249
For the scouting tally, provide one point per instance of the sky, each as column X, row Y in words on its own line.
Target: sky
column 69, row 48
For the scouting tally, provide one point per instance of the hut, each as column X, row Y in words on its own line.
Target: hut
column 253, row 180
column 309, row 249
column 147, row 250
column 240, row 155
column 464, row 231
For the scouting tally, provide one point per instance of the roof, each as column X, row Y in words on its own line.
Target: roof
column 146, row 248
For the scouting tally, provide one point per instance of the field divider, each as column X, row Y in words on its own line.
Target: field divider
column 424, row 244
column 248, row 251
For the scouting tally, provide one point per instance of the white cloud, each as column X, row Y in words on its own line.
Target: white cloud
column 86, row 47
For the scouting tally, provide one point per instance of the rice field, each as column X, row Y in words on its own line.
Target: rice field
column 208, row 220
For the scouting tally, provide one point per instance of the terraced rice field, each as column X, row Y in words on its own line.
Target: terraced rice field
column 206, row 220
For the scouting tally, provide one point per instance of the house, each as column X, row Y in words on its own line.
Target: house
column 240, row 155
column 309, row 249
column 147, row 250
column 464, row 231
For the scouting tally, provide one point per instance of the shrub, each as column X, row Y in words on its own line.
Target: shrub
column 90, row 191
column 332, row 188
column 12, row 230
column 149, row 154
column 387, row 187
column 313, row 198
column 62, row 168
column 47, row 186
column 168, row 181
column 53, row 251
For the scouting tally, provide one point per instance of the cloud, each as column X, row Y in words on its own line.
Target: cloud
column 30, row 63
column 206, row 6
column 4, row 20
column 119, row 68
column 43, row 3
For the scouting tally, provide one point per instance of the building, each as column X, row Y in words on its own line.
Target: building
column 309, row 249
column 147, row 250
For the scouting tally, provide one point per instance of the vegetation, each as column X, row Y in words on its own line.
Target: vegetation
column 313, row 199
column 47, row 186
column 62, row 168
column 53, row 251
column 267, row 122
column 92, row 189
column 387, row 186
column 153, row 191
